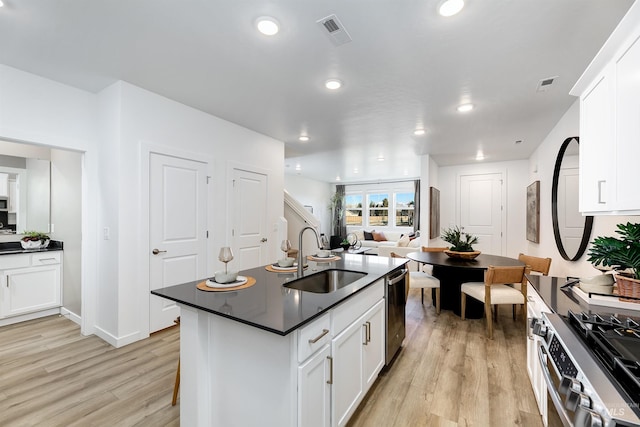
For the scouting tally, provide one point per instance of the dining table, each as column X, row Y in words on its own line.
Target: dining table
column 453, row 272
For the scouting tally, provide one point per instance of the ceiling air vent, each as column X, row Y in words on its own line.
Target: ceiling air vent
column 334, row 29
column 545, row 84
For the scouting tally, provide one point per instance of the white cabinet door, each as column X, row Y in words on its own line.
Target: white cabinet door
column 314, row 390
column 31, row 289
column 596, row 145
column 627, row 128
column 374, row 349
column 347, row 392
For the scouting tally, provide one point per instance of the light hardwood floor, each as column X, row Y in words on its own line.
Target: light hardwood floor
column 50, row 375
column 447, row 374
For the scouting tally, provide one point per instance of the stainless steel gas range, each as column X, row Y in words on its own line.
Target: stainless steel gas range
column 591, row 364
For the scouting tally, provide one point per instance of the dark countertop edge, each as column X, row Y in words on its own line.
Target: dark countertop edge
column 10, row 248
column 293, row 328
column 265, row 328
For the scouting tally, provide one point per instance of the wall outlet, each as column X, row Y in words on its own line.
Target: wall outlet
column 105, row 233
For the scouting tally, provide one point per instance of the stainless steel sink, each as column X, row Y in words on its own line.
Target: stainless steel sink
column 326, row 281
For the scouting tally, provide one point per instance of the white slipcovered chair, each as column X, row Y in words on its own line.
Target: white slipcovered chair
column 421, row 279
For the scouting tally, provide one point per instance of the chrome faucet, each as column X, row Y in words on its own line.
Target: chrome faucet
column 300, row 256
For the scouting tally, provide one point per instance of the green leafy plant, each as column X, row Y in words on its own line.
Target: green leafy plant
column 460, row 241
column 35, row 235
column 620, row 253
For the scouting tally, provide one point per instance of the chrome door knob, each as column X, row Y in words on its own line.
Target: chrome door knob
column 157, row 251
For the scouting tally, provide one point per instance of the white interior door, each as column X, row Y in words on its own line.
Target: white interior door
column 481, row 211
column 249, row 219
column 178, row 230
column 570, row 220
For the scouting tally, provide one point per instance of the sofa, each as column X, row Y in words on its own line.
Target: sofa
column 388, row 239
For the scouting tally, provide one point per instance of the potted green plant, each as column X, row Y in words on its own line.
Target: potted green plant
column 34, row 240
column 462, row 243
column 623, row 255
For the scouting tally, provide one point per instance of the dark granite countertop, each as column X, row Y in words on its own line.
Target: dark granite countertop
column 7, row 248
column 269, row 305
column 560, row 300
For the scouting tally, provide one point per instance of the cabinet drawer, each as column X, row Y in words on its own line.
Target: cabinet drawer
column 14, row 261
column 347, row 312
column 313, row 336
column 45, row 258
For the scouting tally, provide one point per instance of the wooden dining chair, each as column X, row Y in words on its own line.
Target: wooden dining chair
column 422, row 280
column 495, row 290
column 537, row 264
column 176, row 386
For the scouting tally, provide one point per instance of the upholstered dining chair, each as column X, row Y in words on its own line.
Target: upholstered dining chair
column 422, row 280
column 496, row 289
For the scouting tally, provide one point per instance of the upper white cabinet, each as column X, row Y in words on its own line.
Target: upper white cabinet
column 4, row 185
column 609, row 93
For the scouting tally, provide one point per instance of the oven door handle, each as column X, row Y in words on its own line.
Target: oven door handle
column 555, row 397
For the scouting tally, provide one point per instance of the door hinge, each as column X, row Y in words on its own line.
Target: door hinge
column 208, row 179
column 233, row 232
column 207, row 234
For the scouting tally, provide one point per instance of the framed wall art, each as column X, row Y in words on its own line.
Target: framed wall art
column 533, row 212
column 434, row 212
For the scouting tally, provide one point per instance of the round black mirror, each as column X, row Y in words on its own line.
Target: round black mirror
column 570, row 229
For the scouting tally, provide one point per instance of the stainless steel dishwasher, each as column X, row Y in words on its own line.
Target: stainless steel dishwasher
column 395, row 298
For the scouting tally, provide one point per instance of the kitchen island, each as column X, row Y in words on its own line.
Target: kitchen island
column 270, row 355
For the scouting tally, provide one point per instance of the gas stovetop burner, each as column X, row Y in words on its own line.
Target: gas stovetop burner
column 615, row 341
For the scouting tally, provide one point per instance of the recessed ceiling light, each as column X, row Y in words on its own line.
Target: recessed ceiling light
column 419, row 132
column 479, row 155
column 450, row 7
column 381, row 158
column 464, row 108
column 298, row 167
column 338, row 178
column 303, row 138
column 333, row 84
column 355, row 170
column 267, row 25
column 1, row 3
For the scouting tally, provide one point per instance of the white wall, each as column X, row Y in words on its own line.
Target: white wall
column 145, row 118
column 109, row 129
column 541, row 165
column 516, row 182
column 66, row 217
column 313, row 193
column 41, row 111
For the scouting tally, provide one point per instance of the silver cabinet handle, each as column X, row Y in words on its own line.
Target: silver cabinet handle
column 157, row 251
column 47, row 259
column 600, row 199
column 368, row 332
column 330, row 380
column 316, row 339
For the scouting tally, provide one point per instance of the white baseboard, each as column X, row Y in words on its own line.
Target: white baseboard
column 117, row 341
column 29, row 316
column 71, row 316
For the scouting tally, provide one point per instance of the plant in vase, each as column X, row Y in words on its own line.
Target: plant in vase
column 462, row 243
column 34, row 240
column 345, row 244
column 623, row 255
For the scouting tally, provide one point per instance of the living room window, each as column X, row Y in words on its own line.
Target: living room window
column 378, row 214
column 404, row 208
column 380, row 206
column 353, row 213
